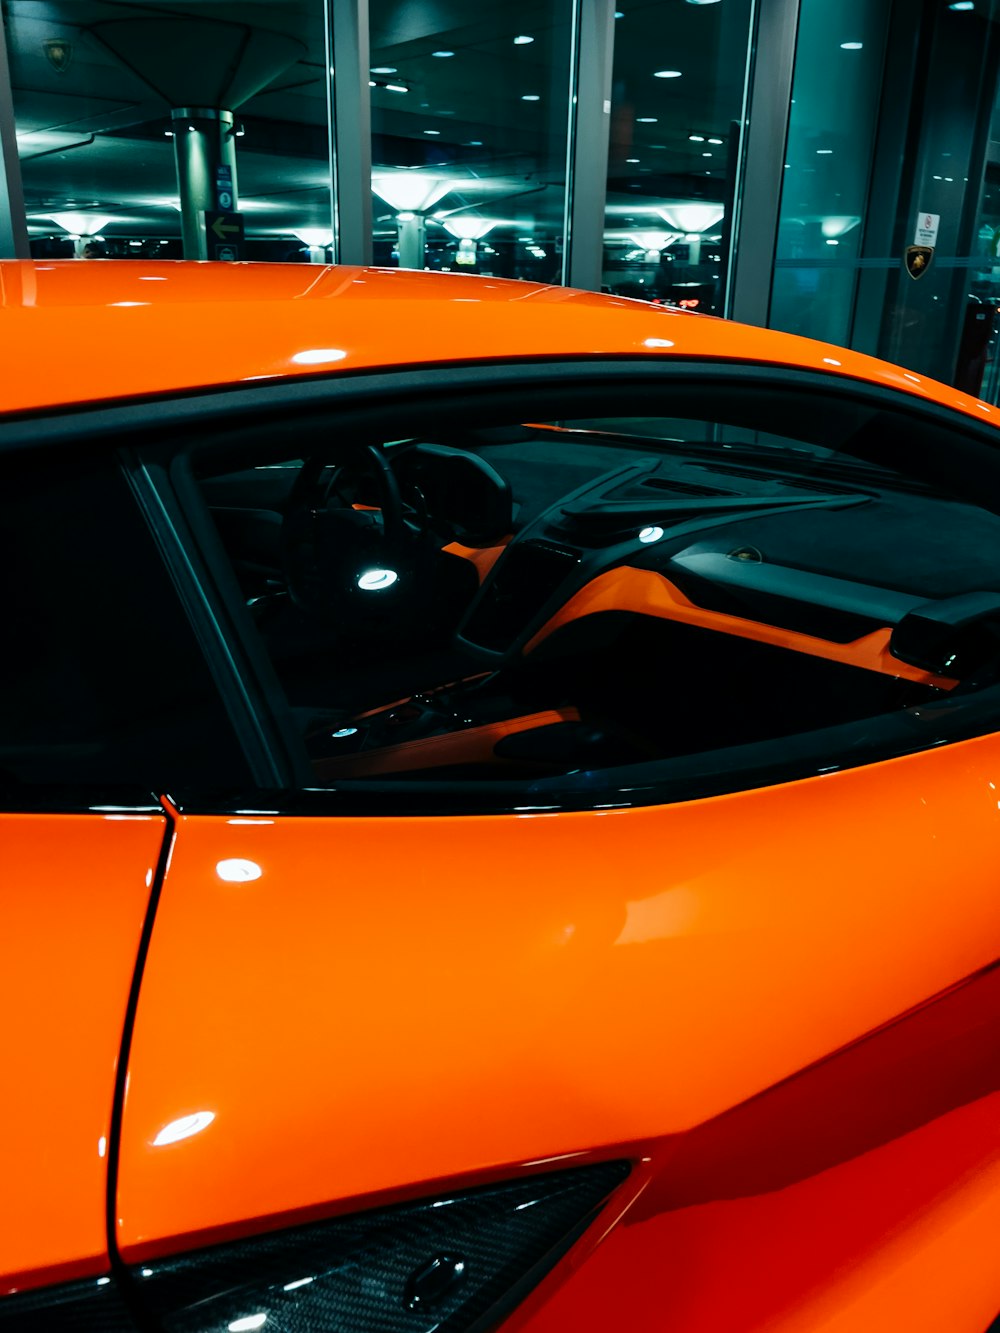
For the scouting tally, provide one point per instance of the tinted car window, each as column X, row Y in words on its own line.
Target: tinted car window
column 604, row 601
column 101, row 681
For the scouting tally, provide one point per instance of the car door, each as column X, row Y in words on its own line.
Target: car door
column 755, row 984
column 94, row 657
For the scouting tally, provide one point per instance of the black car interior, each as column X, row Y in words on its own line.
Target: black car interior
column 424, row 601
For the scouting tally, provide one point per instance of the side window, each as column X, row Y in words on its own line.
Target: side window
column 101, row 681
column 732, row 595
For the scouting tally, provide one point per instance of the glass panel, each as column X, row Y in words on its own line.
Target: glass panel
column 470, row 111
column 115, row 166
column 101, row 680
column 891, row 206
column 679, row 80
column 828, row 163
column 560, row 602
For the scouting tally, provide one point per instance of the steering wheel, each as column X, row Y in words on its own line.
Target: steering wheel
column 340, row 557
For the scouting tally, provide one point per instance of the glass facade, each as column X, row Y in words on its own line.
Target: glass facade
column 470, row 125
column 134, row 120
column 828, row 167
column 679, row 83
column 890, row 212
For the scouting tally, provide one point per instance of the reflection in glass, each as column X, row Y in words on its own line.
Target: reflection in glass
column 828, row 163
column 469, row 137
column 678, row 89
column 135, row 119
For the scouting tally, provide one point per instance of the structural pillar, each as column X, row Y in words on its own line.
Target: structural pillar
column 204, row 142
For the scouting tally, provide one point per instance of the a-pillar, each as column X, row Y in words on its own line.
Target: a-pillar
column 203, row 141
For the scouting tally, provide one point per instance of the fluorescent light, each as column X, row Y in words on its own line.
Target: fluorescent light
column 715, row 141
column 81, row 224
column 653, row 240
column 632, row 160
column 523, row 40
column 443, row 55
column 667, row 74
column 384, row 69
column 530, row 97
column 314, row 235
column 396, row 88
column 824, row 152
column 645, row 120
column 409, row 191
column 692, row 217
column 838, row 225
column 469, row 228
column 962, row 4
column 696, row 138
column 432, row 131
column 851, row 46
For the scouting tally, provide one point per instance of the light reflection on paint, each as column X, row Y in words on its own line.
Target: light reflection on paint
column 183, row 1128
column 236, row 870
column 319, row 356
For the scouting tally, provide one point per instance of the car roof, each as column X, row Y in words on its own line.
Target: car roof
column 86, row 331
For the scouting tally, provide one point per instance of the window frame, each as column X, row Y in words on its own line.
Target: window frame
column 155, row 436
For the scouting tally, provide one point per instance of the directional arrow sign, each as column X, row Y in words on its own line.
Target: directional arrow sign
column 225, row 234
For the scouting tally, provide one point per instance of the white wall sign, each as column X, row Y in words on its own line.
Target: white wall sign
column 927, row 229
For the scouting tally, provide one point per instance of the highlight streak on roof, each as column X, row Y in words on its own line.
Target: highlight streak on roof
column 79, row 331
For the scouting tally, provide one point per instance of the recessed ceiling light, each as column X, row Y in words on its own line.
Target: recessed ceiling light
column 824, row 152
column 962, row 4
column 396, row 88
column 697, row 138
column 706, row 154
column 432, row 131
column 645, row 120
column 474, row 143
column 442, row 55
column 851, row 46
column 715, row 141
column 632, row 159
column 371, row 84
column 384, row 69
column 530, row 97
column 667, row 74
column 619, row 14
column 523, row 40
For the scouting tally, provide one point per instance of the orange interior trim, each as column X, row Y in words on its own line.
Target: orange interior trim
column 483, row 557
column 648, row 593
column 472, row 746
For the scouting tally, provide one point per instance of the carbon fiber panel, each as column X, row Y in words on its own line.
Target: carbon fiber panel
column 452, row 1264
column 91, row 1306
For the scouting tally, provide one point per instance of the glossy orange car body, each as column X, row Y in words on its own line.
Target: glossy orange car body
column 781, row 1005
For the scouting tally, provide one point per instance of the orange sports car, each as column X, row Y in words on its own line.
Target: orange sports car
column 501, row 815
